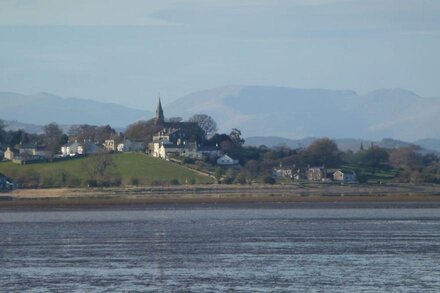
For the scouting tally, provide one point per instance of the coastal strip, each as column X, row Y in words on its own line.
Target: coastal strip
column 77, row 197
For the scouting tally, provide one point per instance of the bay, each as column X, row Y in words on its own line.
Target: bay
column 319, row 247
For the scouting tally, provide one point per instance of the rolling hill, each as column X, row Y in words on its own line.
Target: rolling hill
column 147, row 170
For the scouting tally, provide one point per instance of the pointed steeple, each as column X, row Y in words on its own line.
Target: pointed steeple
column 160, row 119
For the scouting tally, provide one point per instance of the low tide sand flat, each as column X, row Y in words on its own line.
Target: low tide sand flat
column 220, row 194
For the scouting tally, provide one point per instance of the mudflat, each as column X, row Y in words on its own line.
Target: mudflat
column 219, row 194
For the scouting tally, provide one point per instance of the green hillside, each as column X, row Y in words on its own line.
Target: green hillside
column 127, row 168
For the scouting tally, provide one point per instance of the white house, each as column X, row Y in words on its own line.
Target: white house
column 226, row 160
column 9, row 154
column 110, row 145
column 345, row 176
column 282, row 172
column 76, row 148
column 88, row 148
column 316, row 174
column 131, row 146
column 70, row 149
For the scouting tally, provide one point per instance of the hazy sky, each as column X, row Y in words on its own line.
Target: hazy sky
column 128, row 51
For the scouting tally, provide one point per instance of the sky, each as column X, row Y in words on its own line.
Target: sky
column 129, row 51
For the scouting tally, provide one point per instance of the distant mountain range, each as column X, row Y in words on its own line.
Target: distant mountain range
column 279, row 112
column 427, row 145
column 43, row 108
column 295, row 113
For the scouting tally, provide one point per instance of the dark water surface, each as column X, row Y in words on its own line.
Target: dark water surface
column 211, row 248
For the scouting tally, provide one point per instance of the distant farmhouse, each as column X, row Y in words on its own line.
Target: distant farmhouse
column 321, row 174
column 286, row 173
column 76, row 148
column 26, row 153
column 124, row 145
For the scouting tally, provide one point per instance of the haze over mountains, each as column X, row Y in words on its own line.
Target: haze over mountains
column 298, row 113
column 45, row 108
column 258, row 111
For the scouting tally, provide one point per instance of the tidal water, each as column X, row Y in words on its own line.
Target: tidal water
column 222, row 248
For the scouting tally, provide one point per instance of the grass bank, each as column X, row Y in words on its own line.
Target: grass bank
column 129, row 168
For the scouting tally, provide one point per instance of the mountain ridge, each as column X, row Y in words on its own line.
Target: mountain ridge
column 345, row 144
column 294, row 112
column 43, row 108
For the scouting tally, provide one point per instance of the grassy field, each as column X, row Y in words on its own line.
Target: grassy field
column 130, row 168
column 372, row 175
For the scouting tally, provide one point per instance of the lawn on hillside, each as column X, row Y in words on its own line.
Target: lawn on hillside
column 128, row 168
column 372, row 175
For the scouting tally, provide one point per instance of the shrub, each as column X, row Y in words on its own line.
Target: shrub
column 92, row 183
column 134, row 181
column 228, row 180
column 73, row 181
column 269, row 180
column 157, row 182
column 29, row 179
column 187, row 160
column 240, row 179
column 174, row 182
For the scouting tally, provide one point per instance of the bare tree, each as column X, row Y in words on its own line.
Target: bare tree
column 323, row 151
column 175, row 119
column 206, row 123
column 93, row 133
column 53, row 138
column 97, row 166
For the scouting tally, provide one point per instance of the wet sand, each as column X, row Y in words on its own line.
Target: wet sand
column 233, row 194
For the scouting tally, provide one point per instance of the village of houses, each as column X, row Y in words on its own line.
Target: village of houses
column 172, row 141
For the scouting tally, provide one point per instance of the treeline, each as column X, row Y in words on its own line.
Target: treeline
column 406, row 164
column 53, row 137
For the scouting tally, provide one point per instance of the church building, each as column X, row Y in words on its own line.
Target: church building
column 176, row 138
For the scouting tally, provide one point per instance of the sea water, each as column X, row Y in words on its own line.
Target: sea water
column 222, row 248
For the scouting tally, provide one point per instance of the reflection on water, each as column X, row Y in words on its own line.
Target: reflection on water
column 214, row 248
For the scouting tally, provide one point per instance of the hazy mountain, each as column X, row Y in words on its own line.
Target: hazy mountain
column 429, row 143
column 27, row 127
column 344, row 144
column 290, row 112
column 44, row 108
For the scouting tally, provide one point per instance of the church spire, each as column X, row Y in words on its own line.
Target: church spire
column 160, row 119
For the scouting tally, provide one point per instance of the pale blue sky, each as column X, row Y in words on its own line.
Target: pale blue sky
column 128, row 51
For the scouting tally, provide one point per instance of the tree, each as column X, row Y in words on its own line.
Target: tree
column 323, row 151
column 142, row 130
column 218, row 173
column 97, row 167
column 2, row 132
column 206, row 122
column 269, row 180
column 53, row 138
column 375, row 156
column 406, row 158
column 251, row 169
column 175, row 119
column 93, row 133
column 235, row 136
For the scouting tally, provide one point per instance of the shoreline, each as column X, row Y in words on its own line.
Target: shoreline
column 222, row 194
